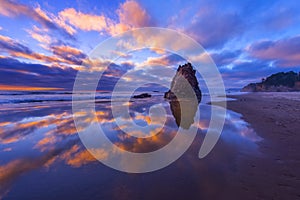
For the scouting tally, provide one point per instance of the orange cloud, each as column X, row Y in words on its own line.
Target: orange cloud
column 39, row 57
column 161, row 61
column 80, row 159
column 5, row 38
column 165, row 60
column 130, row 14
column 16, row 49
column 86, row 22
column 42, row 14
column 46, row 141
column 4, row 123
column 55, row 20
column 9, row 140
column 39, row 35
column 61, row 23
column 158, row 51
column 67, row 49
column 133, row 14
column 115, row 29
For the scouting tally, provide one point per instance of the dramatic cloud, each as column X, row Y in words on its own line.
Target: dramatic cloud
column 40, row 36
column 86, row 22
column 133, row 14
column 13, row 9
column 244, row 72
column 71, row 54
column 225, row 57
column 225, row 29
column 283, row 52
column 130, row 14
column 62, row 54
column 165, row 60
column 36, row 76
column 8, row 44
column 213, row 29
column 20, row 75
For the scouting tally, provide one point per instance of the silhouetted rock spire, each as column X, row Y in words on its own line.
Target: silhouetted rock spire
column 179, row 85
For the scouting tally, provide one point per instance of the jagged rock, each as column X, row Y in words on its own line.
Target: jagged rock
column 143, row 95
column 184, row 79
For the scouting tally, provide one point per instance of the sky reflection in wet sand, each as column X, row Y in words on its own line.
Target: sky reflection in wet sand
column 42, row 155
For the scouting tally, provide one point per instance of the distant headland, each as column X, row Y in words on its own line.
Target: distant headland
column 279, row 82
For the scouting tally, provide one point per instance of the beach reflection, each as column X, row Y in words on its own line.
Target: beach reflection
column 38, row 140
column 186, row 119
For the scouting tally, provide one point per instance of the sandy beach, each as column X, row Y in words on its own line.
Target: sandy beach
column 275, row 174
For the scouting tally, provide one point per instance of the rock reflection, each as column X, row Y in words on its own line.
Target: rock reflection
column 184, row 95
column 184, row 119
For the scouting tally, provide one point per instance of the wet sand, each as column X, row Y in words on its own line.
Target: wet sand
column 275, row 173
column 42, row 156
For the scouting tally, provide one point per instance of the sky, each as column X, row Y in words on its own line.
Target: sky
column 44, row 43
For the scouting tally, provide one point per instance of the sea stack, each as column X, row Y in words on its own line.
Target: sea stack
column 179, row 85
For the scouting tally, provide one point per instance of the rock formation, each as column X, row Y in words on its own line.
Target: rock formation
column 184, row 79
column 143, row 95
column 279, row 82
column 185, row 95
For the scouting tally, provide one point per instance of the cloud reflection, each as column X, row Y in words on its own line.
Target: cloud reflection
column 51, row 134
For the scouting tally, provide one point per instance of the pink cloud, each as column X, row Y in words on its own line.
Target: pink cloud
column 86, row 22
column 284, row 52
column 133, row 14
column 130, row 15
column 67, row 49
column 61, row 54
column 40, row 35
column 14, row 9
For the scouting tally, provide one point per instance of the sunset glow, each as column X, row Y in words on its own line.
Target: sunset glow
column 26, row 88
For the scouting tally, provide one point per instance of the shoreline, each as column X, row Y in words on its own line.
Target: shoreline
column 276, row 173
